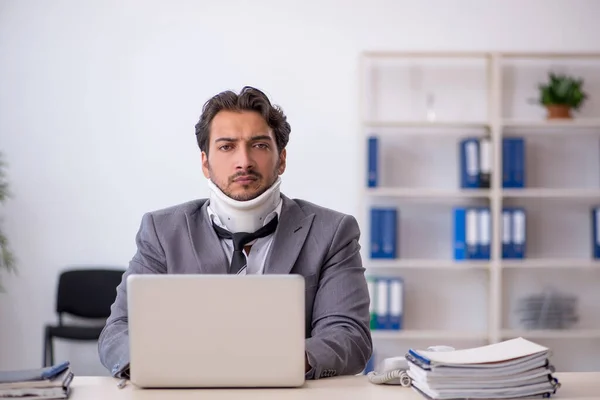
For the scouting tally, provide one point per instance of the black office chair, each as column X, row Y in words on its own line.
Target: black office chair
column 84, row 293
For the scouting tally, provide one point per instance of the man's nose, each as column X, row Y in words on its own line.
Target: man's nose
column 244, row 158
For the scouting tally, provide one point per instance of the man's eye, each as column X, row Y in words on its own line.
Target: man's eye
column 225, row 147
column 262, row 145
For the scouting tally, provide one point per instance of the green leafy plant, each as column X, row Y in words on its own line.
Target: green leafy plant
column 7, row 259
column 562, row 90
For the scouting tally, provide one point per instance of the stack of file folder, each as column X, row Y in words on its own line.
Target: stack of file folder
column 510, row 369
column 40, row 383
column 384, row 232
column 387, row 302
column 476, row 162
column 473, row 232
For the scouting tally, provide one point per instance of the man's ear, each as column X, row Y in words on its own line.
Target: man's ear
column 282, row 161
column 205, row 168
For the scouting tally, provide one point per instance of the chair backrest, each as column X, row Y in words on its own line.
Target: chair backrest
column 88, row 293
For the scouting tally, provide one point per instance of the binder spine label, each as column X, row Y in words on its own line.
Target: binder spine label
column 396, row 304
column 471, row 152
column 469, row 163
column 382, row 303
column 506, row 234
column 472, row 234
column 519, row 234
column 485, row 158
column 484, row 233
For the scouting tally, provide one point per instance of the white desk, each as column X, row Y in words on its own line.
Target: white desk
column 575, row 386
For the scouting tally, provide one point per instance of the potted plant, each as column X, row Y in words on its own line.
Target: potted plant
column 561, row 94
column 7, row 260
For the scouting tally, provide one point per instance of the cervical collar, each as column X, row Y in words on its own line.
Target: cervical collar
column 244, row 216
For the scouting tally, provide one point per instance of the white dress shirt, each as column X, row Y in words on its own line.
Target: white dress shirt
column 255, row 261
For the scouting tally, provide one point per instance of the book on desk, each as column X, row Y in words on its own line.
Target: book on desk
column 39, row 383
column 510, row 369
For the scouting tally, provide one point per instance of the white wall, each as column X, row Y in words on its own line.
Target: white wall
column 98, row 101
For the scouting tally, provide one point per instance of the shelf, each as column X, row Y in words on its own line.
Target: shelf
column 551, row 55
column 428, row 335
column 426, row 124
column 425, row 54
column 552, row 193
column 552, row 333
column 480, row 54
column 572, row 123
column 541, row 263
column 426, row 193
column 426, row 264
column 552, row 263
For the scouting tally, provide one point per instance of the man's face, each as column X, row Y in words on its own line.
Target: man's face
column 242, row 160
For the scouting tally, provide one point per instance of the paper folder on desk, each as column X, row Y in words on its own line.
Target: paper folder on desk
column 510, row 369
column 40, row 383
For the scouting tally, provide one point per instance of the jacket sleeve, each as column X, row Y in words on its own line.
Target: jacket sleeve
column 113, row 343
column 340, row 342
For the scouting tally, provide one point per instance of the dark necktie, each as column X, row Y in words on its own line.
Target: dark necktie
column 240, row 239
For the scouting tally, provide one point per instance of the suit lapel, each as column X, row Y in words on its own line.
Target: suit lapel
column 209, row 254
column 289, row 238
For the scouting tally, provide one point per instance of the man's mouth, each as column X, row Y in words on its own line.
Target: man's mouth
column 245, row 179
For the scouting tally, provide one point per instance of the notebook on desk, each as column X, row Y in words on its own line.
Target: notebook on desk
column 509, row 369
column 216, row 330
column 38, row 383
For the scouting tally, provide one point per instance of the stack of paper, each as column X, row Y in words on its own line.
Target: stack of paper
column 41, row 383
column 510, row 369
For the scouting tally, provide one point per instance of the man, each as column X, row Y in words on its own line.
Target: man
column 243, row 141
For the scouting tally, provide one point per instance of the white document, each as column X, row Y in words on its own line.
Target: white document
column 508, row 350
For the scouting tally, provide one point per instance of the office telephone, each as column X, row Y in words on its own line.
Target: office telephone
column 393, row 370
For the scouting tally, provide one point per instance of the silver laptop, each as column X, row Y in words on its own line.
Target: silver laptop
column 216, row 330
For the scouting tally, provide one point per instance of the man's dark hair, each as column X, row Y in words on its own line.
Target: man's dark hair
column 249, row 99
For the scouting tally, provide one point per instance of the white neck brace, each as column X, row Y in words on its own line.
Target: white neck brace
column 244, row 216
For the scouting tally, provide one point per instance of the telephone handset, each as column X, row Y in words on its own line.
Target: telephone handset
column 393, row 370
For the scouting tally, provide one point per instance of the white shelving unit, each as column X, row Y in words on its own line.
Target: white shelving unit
column 578, row 123
column 545, row 193
column 557, row 263
column 485, row 94
column 427, row 264
column 425, row 124
column 553, row 334
column 434, row 194
column 429, row 335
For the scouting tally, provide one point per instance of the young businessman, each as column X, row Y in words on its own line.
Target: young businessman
column 243, row 138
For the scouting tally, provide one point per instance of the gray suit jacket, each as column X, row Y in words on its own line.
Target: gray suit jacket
column 318, row 243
